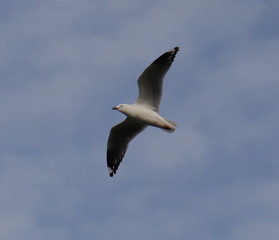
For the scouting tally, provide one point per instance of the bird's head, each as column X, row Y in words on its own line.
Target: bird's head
column 120, row 107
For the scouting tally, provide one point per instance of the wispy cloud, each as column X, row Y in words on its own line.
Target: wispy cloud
column 64, row 64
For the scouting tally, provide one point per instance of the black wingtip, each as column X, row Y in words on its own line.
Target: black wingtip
column 175, row 50
column 111, row 171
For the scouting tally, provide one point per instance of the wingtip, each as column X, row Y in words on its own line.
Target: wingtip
column 175, row 49
column 110, row 172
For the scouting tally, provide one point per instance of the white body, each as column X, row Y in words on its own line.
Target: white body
column 145, row 116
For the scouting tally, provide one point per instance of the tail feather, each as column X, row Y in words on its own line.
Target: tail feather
column 170, row 127
column 171, row 122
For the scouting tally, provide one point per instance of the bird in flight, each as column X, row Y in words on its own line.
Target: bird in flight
column 143, row 113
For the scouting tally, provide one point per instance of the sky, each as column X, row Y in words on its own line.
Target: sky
column 65, row 64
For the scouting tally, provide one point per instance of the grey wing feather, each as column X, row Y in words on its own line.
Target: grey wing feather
column 151, row 80
column 118, row 141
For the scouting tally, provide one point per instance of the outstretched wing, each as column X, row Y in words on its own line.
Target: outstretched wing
column 118, row 141
column 150, row 81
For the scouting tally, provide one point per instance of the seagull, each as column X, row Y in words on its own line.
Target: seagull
column 143, row 113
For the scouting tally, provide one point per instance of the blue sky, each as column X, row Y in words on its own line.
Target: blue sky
column 64, row 64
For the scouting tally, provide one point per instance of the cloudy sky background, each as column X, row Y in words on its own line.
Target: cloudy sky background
column 64, row 64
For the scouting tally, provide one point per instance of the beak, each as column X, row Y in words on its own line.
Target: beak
column 114, row 108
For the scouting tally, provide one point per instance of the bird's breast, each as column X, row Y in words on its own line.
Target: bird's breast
column 146, row 116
